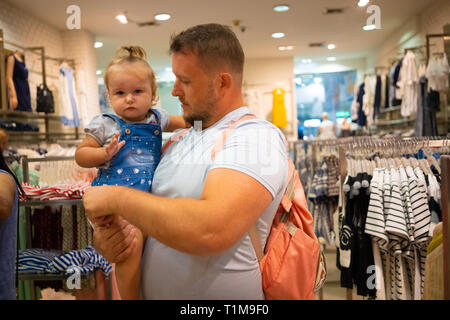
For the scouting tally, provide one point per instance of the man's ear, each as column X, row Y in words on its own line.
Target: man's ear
column 225, row 80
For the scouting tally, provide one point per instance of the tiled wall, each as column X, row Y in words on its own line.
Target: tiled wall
column 25, row 30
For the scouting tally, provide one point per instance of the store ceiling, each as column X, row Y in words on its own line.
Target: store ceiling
column 304, row 23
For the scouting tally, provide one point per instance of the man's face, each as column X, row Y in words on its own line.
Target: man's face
column 194, row 88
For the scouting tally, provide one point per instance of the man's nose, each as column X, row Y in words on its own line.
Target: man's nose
column 176, row 91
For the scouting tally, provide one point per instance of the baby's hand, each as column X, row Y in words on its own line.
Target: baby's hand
column 114, row 146
column 106, row 221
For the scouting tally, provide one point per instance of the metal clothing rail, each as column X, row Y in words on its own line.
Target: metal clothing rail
column 422, row 142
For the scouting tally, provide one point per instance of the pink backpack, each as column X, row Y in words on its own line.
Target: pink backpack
column 292, row 264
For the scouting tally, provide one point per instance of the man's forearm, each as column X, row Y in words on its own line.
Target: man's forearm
column 179, row 223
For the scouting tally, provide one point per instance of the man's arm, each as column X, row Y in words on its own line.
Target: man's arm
column 230, row 203
column 8, row 188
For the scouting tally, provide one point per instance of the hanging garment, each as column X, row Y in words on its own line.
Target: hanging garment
column 432, row 106
column 407, row 84
column 419, row 127
column 362, row 119
column 68, row 97
column 20, row 79
column 279, row 117
column 386, row 89
column 437, row 73
column 82, row 98
column 368, row 99
column 377, row 102
column 253, row 100
column 355, row 104
column 395, row 73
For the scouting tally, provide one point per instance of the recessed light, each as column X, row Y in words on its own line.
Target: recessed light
column 162, row 16
column 278, row 35
column 281, row 8
column 331, row 58
column 363, row 3
column 98, row 72
column 98, row 44
column 122, row 18
column 331, row 46
column 369, row 27
column 283, row 48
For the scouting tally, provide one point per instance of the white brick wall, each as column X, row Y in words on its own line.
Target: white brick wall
column 28, row 31
column 429, row 21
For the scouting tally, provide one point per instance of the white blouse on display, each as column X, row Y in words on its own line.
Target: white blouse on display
column 437, row 73
column 407, row 82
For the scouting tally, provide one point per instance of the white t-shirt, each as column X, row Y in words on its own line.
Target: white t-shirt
column 255, row 147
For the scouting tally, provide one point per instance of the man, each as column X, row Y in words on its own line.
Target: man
column 197, row 217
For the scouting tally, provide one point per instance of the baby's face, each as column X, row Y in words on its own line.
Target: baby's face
column 130, row 91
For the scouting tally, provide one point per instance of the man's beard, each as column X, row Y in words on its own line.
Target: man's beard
column 202, row 112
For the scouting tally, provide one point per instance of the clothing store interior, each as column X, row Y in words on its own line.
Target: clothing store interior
column 358, row 88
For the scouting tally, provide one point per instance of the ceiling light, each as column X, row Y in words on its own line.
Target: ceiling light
column 122, row 18
column 281, row 8
column 98, row 72
column 98, row 44
column 369, row 27
column 331, row 46
column 162, row 16
column 283, row 48
column 363, row 3
column 331, row 58
column 278, row 35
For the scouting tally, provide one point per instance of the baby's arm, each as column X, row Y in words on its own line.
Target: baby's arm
column 91, row 154
column 128, row 272
column 176, row 122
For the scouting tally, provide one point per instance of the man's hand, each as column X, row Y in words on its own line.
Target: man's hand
column 114, row 146
column 116, row 242
column 97, row 202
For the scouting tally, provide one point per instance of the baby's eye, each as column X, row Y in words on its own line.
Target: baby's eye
column 119, row 92
column 138, row 90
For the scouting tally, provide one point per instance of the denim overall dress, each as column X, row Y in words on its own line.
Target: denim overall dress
column 135, row 163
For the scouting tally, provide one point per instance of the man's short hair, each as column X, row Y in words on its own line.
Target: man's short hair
column 214, row 44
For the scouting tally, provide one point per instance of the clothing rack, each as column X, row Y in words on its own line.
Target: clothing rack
column 398, row 143
column 445, row 188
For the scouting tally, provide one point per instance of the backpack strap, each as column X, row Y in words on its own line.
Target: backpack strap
column 177, row 136
column 223, row 138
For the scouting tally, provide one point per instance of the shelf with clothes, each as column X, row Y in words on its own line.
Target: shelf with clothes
column 386, row 179
column 71, row 237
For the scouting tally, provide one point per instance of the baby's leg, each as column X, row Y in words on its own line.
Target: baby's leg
column 128, row 271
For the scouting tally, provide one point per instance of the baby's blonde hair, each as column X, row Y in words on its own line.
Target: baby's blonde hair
column 133, row 54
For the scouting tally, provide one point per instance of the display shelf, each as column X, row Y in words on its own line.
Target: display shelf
column 32, row 203
column 391, row 109
column 393, row 122
column 47, row 276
